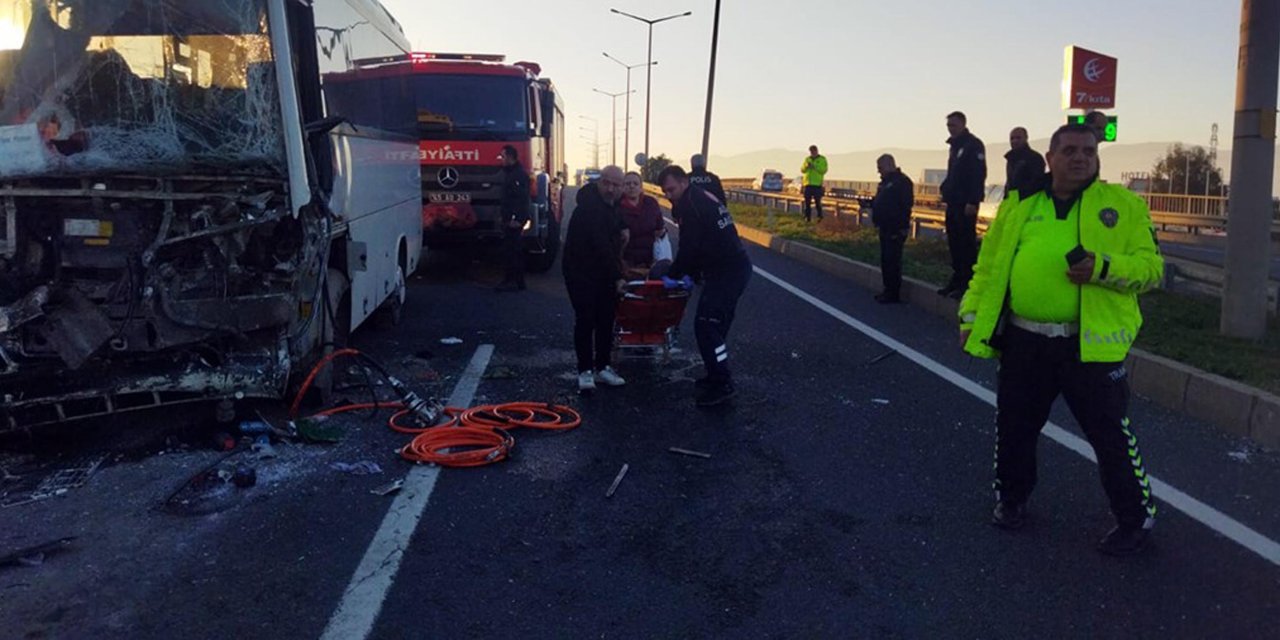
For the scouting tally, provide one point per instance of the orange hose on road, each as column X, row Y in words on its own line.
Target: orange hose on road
column 470, row 437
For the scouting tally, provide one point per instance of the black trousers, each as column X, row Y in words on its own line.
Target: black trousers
column 813, row 195
column 513, row 255
column 716, row 308
column 962, row 240
column 1034, row 370
column 891, row 243
column 595, row 302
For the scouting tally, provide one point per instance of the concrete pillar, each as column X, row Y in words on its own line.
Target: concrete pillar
column 1244, row 295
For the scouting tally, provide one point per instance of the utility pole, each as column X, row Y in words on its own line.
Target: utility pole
column 613, row 142
column 1244, row 292
column 594, row 140
column 711, row 81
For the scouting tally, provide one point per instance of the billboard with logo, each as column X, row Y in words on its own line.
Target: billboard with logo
column 1089, row 79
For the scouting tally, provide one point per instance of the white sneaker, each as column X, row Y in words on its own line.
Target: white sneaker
column 586, row 382
column 609, row 378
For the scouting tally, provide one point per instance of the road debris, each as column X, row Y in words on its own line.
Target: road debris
column 1240, row 456
column 36, row 555
column 389, row 488
column 617, row 481
column 70, row 475
column 687, row 452
column 880, row 401
column 262, row 447
column 882, row 357
column 318, row 430
column 363, row 468
column 451, row 341
column 244, row 477
column 500, row 373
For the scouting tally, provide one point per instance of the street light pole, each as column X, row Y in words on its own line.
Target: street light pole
column 613, row 142
column 711, row 81
column 648, row 90
column 1249, row 212
column 595, row 140
column 626, row 148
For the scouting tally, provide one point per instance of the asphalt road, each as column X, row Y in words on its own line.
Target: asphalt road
column 841, row 499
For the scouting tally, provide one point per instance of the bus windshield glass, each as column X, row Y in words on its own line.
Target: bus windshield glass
column 471, row 106
column 165, row 86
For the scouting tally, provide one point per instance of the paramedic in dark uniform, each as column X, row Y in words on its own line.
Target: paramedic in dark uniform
column 710, row 251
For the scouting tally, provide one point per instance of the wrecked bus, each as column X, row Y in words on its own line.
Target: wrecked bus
column 187, row 212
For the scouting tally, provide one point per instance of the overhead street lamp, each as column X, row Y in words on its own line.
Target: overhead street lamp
column 613, row 142
column 626, row 147
column 648, row 90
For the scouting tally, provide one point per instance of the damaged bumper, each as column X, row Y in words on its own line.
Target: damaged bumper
column 33, row 400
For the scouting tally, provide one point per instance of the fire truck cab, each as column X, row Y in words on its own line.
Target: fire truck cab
column 469, row 107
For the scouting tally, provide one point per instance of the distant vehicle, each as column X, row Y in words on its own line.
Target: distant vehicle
column 933, row 177
column 589, row 176
column 795, row 185
column 770, row 180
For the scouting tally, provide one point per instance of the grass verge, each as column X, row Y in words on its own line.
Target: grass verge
column 1181, row 327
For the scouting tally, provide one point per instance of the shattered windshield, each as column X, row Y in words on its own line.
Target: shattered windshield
column 151, row 86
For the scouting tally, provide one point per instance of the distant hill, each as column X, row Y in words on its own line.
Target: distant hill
column 861, row 165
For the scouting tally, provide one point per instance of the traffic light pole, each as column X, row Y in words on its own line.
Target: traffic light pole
column 1244, row 295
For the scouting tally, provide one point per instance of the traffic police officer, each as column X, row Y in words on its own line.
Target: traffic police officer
column 711, row 251
column 1064, row 326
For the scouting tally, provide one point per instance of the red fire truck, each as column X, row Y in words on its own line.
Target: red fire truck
column 469, row 107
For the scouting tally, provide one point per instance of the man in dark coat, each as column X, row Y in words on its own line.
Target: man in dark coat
column 891, row 213
column 592, row 264
column 963, row 190
column 1024, row 166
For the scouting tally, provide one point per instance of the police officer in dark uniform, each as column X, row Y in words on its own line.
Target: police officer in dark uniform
column 700, row 177
column 515, row 212
column 963, row 190
column 891, row 213
column 710, row 251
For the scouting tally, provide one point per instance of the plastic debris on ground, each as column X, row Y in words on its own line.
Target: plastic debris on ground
column 388, row 489
column 880, row 401
column 451, row 341
column 364, row 468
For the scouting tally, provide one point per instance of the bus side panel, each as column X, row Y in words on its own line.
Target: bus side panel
column 376, row 189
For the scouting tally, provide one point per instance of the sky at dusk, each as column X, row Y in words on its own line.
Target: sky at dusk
column 851, row 74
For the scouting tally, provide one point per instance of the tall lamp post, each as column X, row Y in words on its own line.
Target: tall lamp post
column 613, row 142
column 626, row 135
column 595, row 139
column 648, row 90
column 711, row 81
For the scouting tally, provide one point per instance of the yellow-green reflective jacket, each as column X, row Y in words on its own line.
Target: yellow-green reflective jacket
column 1116, row 226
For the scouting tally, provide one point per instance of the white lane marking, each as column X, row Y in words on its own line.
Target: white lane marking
column 362, row 601
column 1197, row 510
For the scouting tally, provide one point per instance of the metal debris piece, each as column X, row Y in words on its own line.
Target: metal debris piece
column 687, row 452
column 882, row 357
column 70, row 476
column 617, row 481
column 880, row 401
column 34, row 556
column 451, row 341
column 389, row 488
